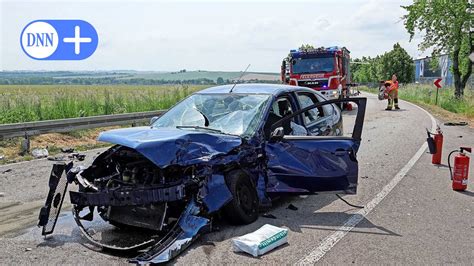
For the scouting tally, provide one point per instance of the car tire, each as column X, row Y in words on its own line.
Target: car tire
column 243, row 208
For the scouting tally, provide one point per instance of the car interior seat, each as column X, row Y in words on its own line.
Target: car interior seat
column 284, row 109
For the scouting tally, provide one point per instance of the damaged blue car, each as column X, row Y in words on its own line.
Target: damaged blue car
column 227, row 149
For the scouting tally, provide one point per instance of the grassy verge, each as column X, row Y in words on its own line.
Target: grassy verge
column 81, row 140
column 448, row 107
column 23, row 103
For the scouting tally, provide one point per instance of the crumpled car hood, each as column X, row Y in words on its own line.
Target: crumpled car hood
column 169, row 146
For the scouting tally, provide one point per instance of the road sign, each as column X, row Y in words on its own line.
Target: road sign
column 438, row 86
column 472, row 57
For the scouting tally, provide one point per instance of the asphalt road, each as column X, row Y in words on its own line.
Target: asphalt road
column 411, row 216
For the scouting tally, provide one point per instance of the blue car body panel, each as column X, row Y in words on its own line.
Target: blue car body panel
column 217, row 194
column 168, row 146
column 311, row 165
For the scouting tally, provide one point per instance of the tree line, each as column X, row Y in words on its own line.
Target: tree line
column 382, row 67
column 100, row 81
column 36, row 80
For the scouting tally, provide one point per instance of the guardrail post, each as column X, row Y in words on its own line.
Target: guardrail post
column 25, row 145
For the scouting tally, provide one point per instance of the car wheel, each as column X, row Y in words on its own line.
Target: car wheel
column 243, row 208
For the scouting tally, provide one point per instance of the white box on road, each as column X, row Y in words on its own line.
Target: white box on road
column 261, row 241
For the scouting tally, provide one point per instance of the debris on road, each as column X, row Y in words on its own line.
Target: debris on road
column 7, row 171
column 456, row 124
column 2, row 194
column 350, row 204
column 78, row 156
column 268, row 215
column 72, row 156
column 39, row 153
column 57, row 158
column 28, row 249
column 261, row 241
column 364, row 177
column 67, row 149
column 292, row 207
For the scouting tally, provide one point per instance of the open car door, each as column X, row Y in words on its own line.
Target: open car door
column 312, row 164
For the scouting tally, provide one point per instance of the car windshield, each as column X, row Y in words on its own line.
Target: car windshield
column 235, row 114
column 313, row 65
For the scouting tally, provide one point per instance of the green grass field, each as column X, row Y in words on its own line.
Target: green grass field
column 426, row 94
column 23, row 103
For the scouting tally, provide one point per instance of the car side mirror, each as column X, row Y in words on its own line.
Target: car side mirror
column 153, row 120
column 277, row 134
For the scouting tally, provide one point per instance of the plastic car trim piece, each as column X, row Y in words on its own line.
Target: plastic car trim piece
column 129, row 197
column 54, row 201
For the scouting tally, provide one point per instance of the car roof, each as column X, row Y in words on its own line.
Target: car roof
column 254, row 88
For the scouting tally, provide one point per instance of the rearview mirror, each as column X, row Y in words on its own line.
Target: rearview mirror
column 277, row 134
column 153, row 120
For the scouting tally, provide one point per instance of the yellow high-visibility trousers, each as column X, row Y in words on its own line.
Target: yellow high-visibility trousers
column 392, row 99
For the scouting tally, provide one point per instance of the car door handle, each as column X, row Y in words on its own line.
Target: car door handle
column 340, row 152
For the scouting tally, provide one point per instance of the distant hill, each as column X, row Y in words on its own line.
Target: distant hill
column 132, row 77
column 212, row 75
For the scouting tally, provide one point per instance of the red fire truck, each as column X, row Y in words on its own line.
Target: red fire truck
column 323, row 69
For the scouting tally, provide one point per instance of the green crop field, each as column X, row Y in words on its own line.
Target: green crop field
column 130, row 77
column 23, row 103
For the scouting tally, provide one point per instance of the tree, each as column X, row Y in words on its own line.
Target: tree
column 362, row 70
column 220, row 81
column 446, row 26
column 398, row 62
column 382, row 67
column 305, row 47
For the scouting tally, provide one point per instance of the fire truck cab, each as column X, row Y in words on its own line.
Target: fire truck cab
column 323, row 69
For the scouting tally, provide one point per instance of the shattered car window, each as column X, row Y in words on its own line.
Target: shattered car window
column 235, row 114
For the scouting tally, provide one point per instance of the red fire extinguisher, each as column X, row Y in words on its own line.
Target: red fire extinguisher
column 461, row 168
column 435, row 145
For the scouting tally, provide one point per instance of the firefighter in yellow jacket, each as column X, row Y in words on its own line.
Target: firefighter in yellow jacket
column 392, row 91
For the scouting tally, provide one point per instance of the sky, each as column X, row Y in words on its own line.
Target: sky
column 207, row 35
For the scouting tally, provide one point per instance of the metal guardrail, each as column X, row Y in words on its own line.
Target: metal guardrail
column 28, row 129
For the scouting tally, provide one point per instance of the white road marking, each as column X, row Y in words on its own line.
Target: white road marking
column 330, row 241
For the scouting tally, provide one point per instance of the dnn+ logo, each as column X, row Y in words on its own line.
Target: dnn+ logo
column 59, row 39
